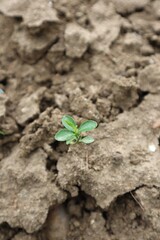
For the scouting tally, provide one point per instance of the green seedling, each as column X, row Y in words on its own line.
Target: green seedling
column 2, row 133
column 1, row 91
column 72, row 133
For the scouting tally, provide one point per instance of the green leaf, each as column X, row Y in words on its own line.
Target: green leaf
column 87, row 126
column 87, row 140
column 2, row 133
column 63, row 135
column 69, row 123
column 71, row 140
column 1, row 91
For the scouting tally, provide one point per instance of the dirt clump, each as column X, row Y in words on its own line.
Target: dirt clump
column 92, row 60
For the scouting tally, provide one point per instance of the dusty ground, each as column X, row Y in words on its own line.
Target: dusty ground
column 95, row 60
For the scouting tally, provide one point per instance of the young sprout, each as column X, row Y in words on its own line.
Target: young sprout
column 72, row 133
column 1, row 91
column 2, row 133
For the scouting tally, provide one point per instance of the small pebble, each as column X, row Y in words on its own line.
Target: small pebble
column 152, row 148
column 92, row 221
column 50, row 4
column 147, row 50
column 76, row 223
column 132, row 215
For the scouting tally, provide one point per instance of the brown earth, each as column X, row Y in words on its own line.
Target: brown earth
column 95, row 60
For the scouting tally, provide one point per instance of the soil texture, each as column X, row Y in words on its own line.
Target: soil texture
column 90, row 59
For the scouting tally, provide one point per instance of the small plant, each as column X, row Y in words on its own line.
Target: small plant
column 1, row 91
column 72, row 133
column 2, row 133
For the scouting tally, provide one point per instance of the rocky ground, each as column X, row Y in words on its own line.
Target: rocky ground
column 90, row 59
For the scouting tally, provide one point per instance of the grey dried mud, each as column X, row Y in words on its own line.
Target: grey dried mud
column 93, row 60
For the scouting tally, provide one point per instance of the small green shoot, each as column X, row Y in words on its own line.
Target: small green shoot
column 1, row 91
column 72, row 133
column 2, row 133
